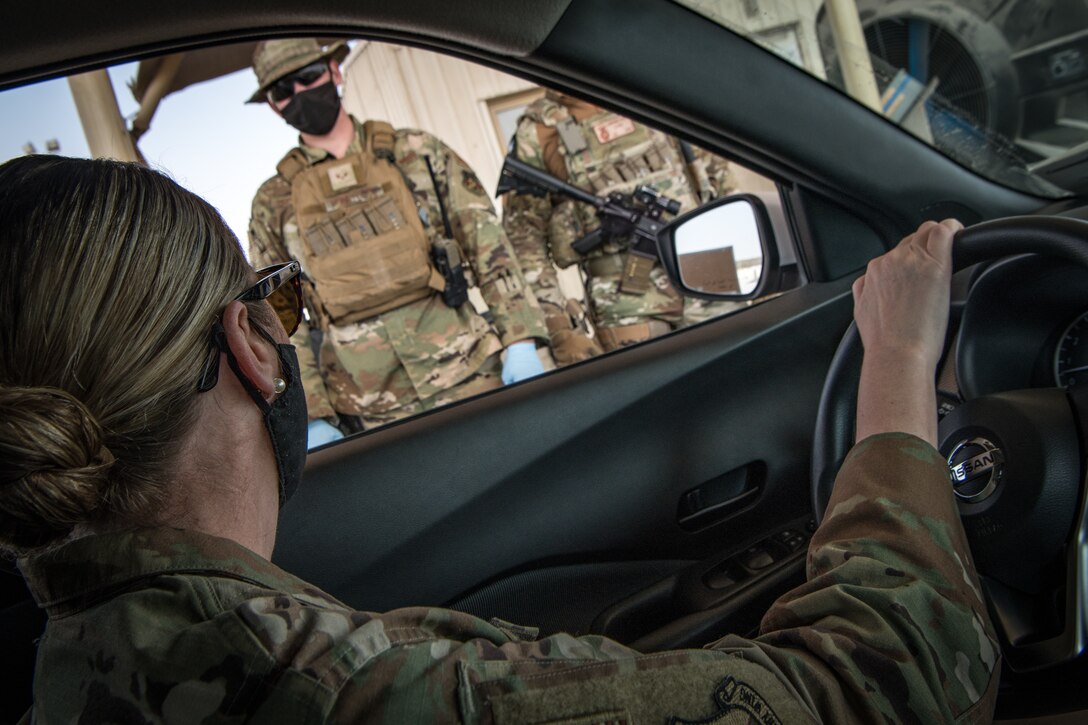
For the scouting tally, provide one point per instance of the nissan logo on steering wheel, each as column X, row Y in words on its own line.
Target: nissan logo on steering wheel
column 976, row 466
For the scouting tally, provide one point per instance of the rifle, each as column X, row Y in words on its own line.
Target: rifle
column 636, row 215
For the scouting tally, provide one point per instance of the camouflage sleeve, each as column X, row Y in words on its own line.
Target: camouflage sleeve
column 891, row 624
column 267, row 246
column 517, row 314
column 890, row 627
column 712, row 177
column 492, row 672
column 528, row 146
column 525, row 220
column 566, row 221
column 268, row 214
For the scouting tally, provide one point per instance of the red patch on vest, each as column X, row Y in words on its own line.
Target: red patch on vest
column 613, row 128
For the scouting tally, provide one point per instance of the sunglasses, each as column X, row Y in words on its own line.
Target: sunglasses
column 284, row 88
column 281, row 285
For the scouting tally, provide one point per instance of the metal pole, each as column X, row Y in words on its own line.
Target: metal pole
column 156, row 91
column 101, row 118
column 857, row 69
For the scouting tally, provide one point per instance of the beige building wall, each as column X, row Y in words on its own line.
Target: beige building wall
column 413, row 88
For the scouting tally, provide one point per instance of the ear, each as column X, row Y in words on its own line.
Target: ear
column 257, row 359
column 335, row 73
column 275, row 110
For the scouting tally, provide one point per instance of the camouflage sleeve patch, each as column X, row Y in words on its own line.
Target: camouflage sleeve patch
column 671, row 687
column 735, row 697
column 471, row 183
column 479, row 675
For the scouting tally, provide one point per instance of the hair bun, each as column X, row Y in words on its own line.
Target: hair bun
column 54, row 465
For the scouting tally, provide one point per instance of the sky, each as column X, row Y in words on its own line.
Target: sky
column 205, row 137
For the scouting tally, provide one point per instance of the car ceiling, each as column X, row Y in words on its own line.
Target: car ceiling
column 42, row 39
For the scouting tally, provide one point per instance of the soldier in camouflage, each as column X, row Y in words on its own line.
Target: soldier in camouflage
column 602, row 152
column 381, row 361
column 248, row 642
column 155, row 570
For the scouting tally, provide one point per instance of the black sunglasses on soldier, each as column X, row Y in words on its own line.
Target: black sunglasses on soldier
column 284, row 88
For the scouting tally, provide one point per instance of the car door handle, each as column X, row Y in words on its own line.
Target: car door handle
column 721, row 497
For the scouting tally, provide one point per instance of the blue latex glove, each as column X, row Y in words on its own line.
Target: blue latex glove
column 521, row 363
column 321, row 432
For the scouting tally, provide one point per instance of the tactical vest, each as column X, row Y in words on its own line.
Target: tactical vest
column 605, row 153
column 365, row 249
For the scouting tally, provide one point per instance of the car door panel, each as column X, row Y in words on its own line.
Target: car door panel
column 586, row 465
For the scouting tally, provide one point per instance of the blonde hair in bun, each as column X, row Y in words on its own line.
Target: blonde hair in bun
column 111, row 276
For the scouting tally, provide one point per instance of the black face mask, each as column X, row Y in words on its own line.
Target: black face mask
column 285, row 417
column 314, row 111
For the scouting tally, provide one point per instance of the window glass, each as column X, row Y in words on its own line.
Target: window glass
column 538, row 267
column 998, row 86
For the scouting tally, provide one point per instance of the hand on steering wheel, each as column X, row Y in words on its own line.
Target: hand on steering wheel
column 1018, row 455
column 903, row 342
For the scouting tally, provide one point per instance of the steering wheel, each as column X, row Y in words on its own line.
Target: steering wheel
column 1015, row 464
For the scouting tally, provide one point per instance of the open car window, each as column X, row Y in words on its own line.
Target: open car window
column 997, row 86
column 186, row 115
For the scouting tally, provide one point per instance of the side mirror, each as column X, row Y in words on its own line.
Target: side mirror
column 722, row 250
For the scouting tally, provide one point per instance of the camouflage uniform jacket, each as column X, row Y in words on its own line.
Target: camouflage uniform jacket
column 166, row 625
column 620, row 154
column 415, row 352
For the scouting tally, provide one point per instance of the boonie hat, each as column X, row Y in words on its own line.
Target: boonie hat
column 273, row 59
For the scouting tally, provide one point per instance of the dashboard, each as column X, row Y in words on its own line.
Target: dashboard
column 1023, row 325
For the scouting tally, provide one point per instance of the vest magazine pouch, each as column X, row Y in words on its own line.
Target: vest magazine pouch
column 384, row 214
column 355, row 227
column 374, row 276
column 366, row 251
column 623, row 154
column 640, row 164
column 655, row 159
column 323, row 238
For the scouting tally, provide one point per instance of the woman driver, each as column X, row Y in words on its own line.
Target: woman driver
column 152, row 424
